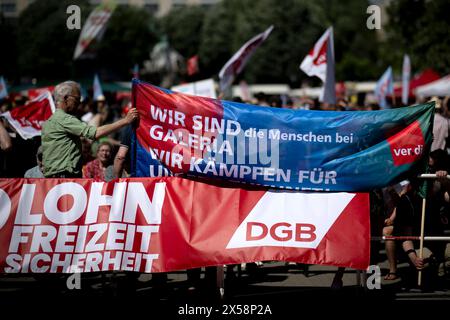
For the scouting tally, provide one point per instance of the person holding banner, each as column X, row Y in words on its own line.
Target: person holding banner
column 62, row 132
column 409, row 212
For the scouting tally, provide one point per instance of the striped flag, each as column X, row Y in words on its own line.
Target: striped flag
column 384, row 87
column 3, row 91
column 236, row 64
column 406, row 74
column 98, row 92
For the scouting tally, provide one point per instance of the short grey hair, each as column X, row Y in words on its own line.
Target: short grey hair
column 64, row 89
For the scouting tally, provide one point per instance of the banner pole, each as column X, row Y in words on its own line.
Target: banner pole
column 422, row 231
column 220, row 283
column 133, row 155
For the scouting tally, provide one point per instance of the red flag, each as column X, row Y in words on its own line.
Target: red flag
column 192, row 65
column 36, row 92
column 320, row 63
column 28, row 119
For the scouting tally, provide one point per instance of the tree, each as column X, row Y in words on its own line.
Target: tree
column 297, row 26
column 182, row 27
column 421, row 29
column 356, row 47
column 231, row 23
column 130, row 35
column 216, row 36
column 8, row 54
column 45, row 44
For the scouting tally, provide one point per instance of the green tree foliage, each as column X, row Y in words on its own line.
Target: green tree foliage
column 183, row 28
column 420, row 28
column 128, row 39
column 216, row 37
column 298, row 24
column 356, row 47
column 45, row 44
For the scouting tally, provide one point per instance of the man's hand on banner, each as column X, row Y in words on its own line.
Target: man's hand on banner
column 132, row 115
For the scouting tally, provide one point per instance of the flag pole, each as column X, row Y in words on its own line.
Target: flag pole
column 422, row 231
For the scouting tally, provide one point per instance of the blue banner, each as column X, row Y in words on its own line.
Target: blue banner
column 187, row 135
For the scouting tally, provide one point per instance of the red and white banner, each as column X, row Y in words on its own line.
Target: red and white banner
column 28, row 119
column 320, row 63
column 315, row 63
column 167, row 224
column 94, row 26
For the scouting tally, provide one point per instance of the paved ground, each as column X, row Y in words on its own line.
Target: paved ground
column 285, row 289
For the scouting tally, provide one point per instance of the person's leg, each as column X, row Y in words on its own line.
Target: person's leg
column 337, row 280
column 193, row 277
column 390, row 253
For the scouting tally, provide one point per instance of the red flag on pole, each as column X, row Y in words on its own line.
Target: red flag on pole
column 192, row 65
column 28, row 119
column 320, row 63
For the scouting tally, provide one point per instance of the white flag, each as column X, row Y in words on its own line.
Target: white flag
column 237, row 62
column 384, row 87
column 320, row 63
column 406, row 74
column 97, row 88
column 94, row 27
column 3, row 90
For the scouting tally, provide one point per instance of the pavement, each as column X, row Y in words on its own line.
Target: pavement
column 277, row 287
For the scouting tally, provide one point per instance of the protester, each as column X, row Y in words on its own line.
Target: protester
column 391, row 199
column 409, row 212
column 101, row 167
column 441, row 127
column 5, row 140
column 61, row 134
column 36, row 172
column 121, row 160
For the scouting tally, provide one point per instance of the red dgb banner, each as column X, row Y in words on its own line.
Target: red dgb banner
column 167, row 224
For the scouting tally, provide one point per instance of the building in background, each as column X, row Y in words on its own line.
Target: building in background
column 13, row 8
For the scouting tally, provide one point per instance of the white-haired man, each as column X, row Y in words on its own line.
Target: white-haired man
column 62, row 132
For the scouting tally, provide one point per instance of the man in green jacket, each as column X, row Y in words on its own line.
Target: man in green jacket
column 62, row 132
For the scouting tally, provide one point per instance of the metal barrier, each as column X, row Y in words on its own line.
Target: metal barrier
column 404, row 238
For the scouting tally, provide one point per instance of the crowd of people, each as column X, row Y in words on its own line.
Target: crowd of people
column 100, row 128
column 91, row 139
